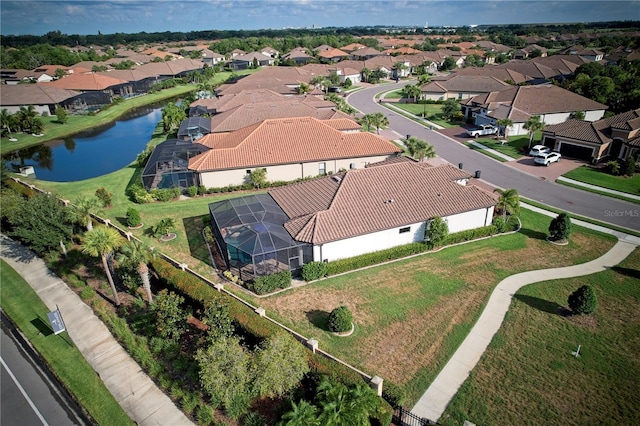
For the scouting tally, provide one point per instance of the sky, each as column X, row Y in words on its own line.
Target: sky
column 21, row 17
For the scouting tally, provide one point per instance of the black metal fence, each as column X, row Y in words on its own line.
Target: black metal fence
column 404, row 417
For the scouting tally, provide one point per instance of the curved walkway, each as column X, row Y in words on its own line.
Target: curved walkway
column 435, row 400
column 136, row 393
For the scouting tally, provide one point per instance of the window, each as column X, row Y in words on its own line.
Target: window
column 405, row 230
column 352, row 166
column 322, row 168
column 248, row 172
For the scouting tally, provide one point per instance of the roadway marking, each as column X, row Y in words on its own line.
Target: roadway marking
column 24, row 394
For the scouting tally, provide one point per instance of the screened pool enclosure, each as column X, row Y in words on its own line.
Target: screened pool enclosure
column 167, row 165
column 250, row 235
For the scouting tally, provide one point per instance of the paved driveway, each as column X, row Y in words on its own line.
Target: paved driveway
column 525, row 163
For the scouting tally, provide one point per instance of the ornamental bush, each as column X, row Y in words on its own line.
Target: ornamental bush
column 583, row 300
column 340, row 319
column 560, row 227
column 269, row 283
column 314, row 270
column 133, row 217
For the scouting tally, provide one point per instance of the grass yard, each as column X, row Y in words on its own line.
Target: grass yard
column 77, row 123
column 512, row 148
column 434, row 113
column 528, row 375
column 411, row 315
column 28, row 312
column 594, row 176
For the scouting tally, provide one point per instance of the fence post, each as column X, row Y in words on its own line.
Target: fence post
column 376, row 384
column 313, row 345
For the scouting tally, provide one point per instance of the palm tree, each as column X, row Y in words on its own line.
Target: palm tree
column 419, row 149
column 378, row 120
column 136, row 253
column 412, row 91
column 365, row 121
column 82, row 208
column 504, row 123
column 164, row 227
column 508, row 202
column 301, row 414
column 103, row 241
column 533, row 125
column 343, row 406
column 6, row 122
column 26, row 117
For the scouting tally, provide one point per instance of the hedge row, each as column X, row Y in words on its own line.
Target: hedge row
column 369, row 259
column 471, row 234
column 269, row 283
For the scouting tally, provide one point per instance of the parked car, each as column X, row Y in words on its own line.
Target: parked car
column 539, row 150
column 483, row 130
column 548, row 158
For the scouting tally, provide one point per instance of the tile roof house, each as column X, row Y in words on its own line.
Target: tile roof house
column 366, row 53
column 502, row 74
column 224, row 103
column 333, row 55
column 375, row 208
column 45, row 99
column 551, row 103
column 248, row 60
column 97, row 89
column 289, row 148
column 298, row 56
column 461, row 87
column 282, row 80
column 528, row 50
column 613, row 137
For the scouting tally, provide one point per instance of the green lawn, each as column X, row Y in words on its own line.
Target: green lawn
column 411, row 315
column 528, row 375
column 76, row 123
column 513, row 148
column 594, row 176
column 433, row 111
column 66, row 362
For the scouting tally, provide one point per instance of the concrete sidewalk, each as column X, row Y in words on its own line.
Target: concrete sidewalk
column 136, row 393
column 435, row 400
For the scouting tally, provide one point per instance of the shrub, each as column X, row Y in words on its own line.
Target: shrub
column 340, row 319
column 583, row 300
column 500, row 224
column 314, row 270
column 204, row 415
column 254, row 419
column 368, row 259
column 613, row 167
column 202, row 190
column 165, row 194
column 471, row 234
column 269, row 283
column 630, row 167
column 87, row 293
column 133, row 217
column 437, row 232
column 139, row 195
column 105, row 196
column 192, row 191
column 560, row 227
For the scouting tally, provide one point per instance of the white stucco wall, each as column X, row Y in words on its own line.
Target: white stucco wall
column 286, row 172
column 392, row 237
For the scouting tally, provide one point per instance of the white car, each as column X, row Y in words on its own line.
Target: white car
column 539, row 150
column 548, row 158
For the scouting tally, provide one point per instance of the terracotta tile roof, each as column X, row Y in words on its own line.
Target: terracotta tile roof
column 373, row 199
column 333, row 53
column 227, row 102
column 353, row 46
column 524, row 101
column 34, row 94
column 283, row 80
column 466, row 83
column 86, row 82
column 251, row 113
column 366, row 51
column 285, row 141
column 249, row 57
column 598, row 132
column 171, row 68
column 128, row 75
column 502, row 74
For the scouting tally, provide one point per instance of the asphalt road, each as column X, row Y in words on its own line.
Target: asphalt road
column 605, row 209
column 29, row 395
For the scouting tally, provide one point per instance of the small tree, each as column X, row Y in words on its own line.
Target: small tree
column 105, row 196
column 216, row 316
column 436, row 232
column 62, row 115
column 171, row 319
column 340, row 319
column 583, row 300
column 133, row 217
column 257, row 177
column 560, row 227
column 450, row 109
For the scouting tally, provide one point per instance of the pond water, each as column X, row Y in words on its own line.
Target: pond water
column 92, row 153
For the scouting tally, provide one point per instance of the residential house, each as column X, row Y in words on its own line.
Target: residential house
column 270, row 51
column 44, row 98
column 97, row 89
column 551, row 103
column 615, row 137
column 589, row 54
column 237, row 52
column 502, row 74
column 365, row 53
column 220, row 104
column 353, row 46
column 492, row 47
column 525, row 52
column 381, row 207
column 289, row 149
column 282, row 80
column 460, row 87
column 298, row 56
column 250, row 60
column 332, row 56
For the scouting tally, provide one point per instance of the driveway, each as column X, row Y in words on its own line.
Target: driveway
column 525, row 163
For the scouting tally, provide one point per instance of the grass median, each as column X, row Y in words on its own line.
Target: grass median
column 66, row 362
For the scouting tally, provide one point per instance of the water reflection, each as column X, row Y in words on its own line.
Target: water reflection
column 95, row 152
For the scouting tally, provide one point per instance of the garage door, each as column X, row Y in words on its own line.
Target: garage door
column 576, row 151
